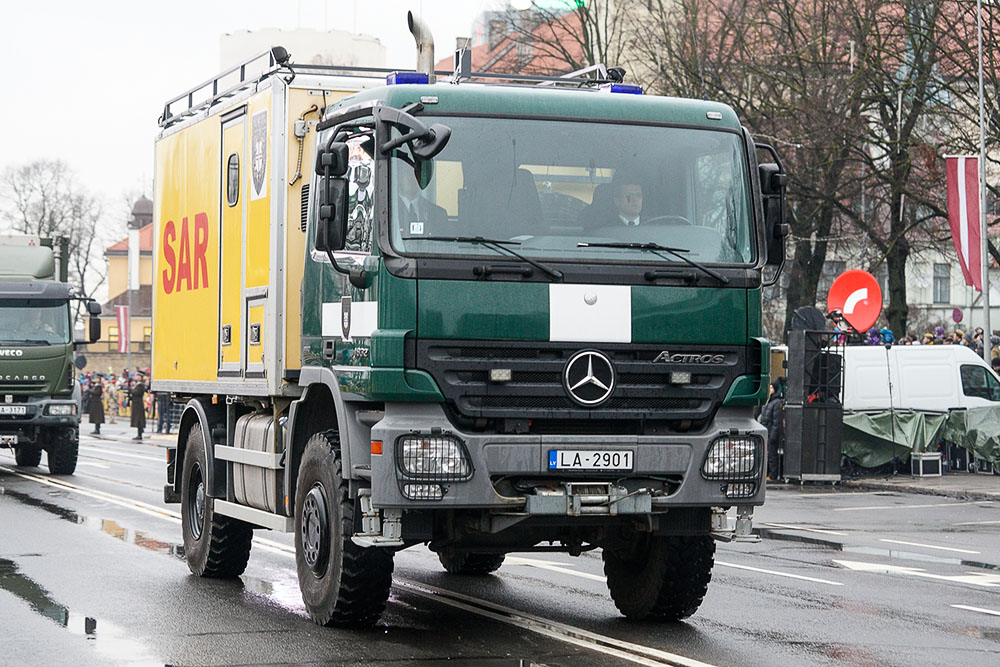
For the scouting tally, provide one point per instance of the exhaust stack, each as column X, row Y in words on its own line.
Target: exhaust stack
column 425, row 45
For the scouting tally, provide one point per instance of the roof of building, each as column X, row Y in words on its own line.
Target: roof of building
column 145, row 243
column 141, row 302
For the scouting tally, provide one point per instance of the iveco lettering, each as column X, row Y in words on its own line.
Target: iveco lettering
column 436, row 326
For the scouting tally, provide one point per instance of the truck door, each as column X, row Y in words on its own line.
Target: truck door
column 233, row 222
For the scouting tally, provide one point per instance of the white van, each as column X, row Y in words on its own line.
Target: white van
column 929, row 378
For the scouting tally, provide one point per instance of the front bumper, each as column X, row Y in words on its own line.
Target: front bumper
column 510, row 473
column 28, row 426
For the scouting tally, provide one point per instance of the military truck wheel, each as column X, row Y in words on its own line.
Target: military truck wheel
column 660, row 578
column 63, row 447
column 470, row 563
column 27, row 456
column 214, row 546
column 342, row 583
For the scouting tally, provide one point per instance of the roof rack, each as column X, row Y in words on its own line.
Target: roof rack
column 259, row 67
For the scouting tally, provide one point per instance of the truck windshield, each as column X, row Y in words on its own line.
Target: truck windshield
column 571, row 190
column 34, row 322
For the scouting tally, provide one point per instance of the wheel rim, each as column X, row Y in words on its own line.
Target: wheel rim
column 196, row 501
column 315, row 530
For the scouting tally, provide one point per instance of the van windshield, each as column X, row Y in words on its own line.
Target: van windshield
column 980, row 382
column 34, row 322
column 549, row 185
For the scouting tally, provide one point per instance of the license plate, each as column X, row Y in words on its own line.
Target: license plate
column 590, row 459
column 13, row 409
column 8, row 439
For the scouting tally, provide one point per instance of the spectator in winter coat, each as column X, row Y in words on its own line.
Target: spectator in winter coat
column 772, row 417
column 95, row 404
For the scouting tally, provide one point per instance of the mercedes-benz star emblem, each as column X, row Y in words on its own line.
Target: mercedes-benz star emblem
column 589, row 378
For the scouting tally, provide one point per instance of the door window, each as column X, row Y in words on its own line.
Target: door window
column 978, row 381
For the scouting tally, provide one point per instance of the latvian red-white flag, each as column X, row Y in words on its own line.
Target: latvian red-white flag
column 963, row 214
column 121, row 313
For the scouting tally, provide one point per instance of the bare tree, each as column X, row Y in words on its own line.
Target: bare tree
column 46, row 200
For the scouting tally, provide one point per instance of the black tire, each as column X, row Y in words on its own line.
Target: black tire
column 214, row 546
column 660, row 578
column 63, row 448
column 27, row 457
column 342, row 583
column 470, row 563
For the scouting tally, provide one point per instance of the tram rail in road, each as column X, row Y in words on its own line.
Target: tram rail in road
column 610, row 646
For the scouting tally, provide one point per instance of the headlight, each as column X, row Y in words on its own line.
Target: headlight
column 439, row 458
column 733, row 457
column 61, row 409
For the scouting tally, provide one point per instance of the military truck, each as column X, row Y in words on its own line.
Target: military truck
column 434, row 330
column 38, row 409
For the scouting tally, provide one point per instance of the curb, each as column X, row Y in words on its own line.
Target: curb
column 880, row 485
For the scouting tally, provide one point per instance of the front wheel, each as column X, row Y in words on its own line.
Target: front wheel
column 342, row 583
column 27, row 457
column 63, row 448
column 660, row 578
column 214, row 546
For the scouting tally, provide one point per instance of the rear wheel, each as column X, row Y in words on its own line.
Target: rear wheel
column 63, row 447
column 214, row 546
column 470, row 563
column 342, row 583
column 27, row 456
column 660, row 578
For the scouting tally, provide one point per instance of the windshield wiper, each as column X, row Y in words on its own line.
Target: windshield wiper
column 656, row 248
column 500, row 246
column 29, row 341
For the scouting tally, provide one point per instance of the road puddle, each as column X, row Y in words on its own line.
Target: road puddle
column 106, row 638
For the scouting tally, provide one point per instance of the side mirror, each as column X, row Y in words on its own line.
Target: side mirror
column 332, row 160
column 95, row 326
column 331, row 214
column 772, row 188
column 93, row 307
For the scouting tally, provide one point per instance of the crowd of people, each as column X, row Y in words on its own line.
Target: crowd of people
column 108, row 396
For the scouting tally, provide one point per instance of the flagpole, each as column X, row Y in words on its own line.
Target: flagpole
column 983, row 229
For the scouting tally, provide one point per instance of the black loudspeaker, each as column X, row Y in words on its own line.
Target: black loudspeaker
column 813, row 442
column 815, row 374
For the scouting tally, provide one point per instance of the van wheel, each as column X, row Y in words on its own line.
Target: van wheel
column 342, row 583
column 27, row 457
column 63, row 447
column 470, row 563
column 214, row 546
column 660, row 578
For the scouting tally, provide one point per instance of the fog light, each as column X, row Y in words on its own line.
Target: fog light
column 741, row 490
column 61, row 409
column 733, row 457
column 423, row 491
column 439, row 458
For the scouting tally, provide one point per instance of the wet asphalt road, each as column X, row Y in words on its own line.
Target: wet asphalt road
column 91, row 574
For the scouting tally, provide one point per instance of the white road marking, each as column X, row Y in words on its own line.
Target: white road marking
column 843, row 494
column 902, row 507
column 804, row 528
column 159, row 459
column 554, row 567
column 92, row 464
column 779, row 574
column 981, row 611
column 929, row 546
column 975, row 578
column 975, row 523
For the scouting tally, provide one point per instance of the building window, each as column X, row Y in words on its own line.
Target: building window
column 942, row 283
column 147, row 338
column 831, row 269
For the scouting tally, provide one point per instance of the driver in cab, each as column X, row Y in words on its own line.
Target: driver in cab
column 628, row 203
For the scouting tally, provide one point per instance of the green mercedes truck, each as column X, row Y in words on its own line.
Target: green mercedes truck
column 38, row 409
column 481, row 317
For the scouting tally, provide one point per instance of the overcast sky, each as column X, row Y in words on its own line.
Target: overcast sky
column 86, row 81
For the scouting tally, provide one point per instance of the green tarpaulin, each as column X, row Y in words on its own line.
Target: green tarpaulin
column 874, row 439
column 976, row 429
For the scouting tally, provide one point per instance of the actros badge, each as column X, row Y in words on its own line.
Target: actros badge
column 589, row 378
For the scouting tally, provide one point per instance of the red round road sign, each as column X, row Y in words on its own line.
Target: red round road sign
column 858, row 297
column 956, row 315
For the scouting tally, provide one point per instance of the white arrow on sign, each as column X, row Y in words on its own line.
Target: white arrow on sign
column 976, row 578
